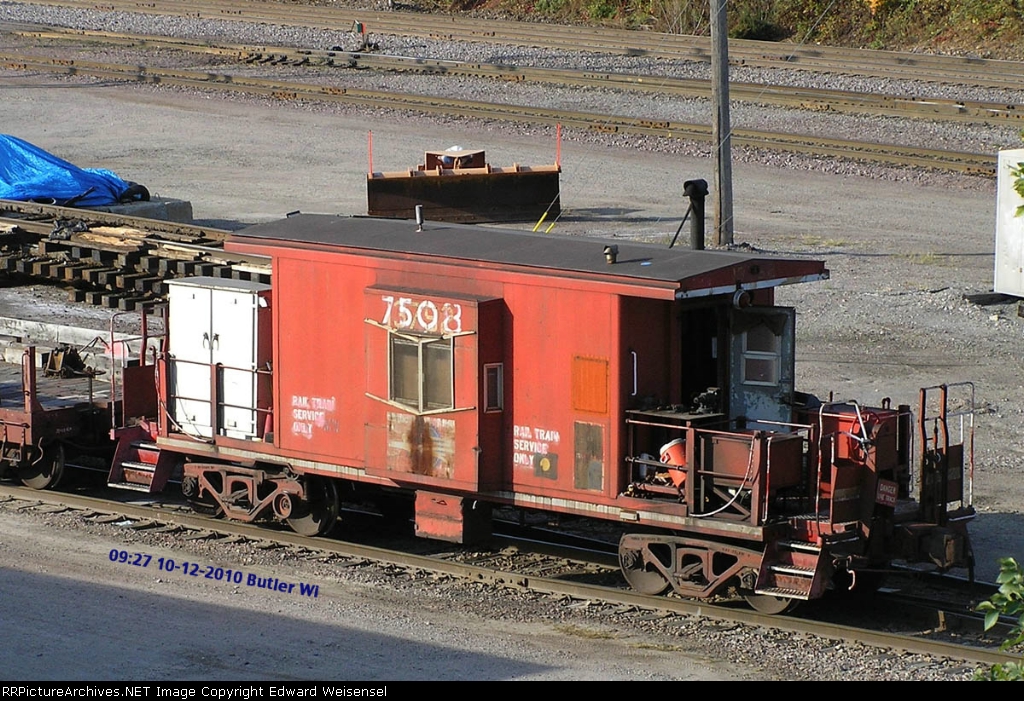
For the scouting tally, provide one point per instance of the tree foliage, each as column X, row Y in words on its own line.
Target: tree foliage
column 1008, row 601
column 1017, row 172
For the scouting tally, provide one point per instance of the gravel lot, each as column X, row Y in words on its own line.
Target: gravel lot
column 904, row 247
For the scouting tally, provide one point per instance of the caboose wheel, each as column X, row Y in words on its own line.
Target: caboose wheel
column 46, row 472
column 642, row 576
column 771, row 605
column 205, row 504
column 318, row 513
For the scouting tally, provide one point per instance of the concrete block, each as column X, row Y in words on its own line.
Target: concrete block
column 162, row 208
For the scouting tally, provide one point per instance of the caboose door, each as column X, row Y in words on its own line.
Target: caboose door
column 761, row 364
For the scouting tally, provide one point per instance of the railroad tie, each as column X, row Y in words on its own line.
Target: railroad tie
column 96, row 276
column 39, row 268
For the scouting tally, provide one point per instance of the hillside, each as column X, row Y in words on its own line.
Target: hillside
column 982, row 28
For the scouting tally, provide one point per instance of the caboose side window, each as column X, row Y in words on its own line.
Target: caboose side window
column 494, row 387
column 761, row 356
column 421, row 372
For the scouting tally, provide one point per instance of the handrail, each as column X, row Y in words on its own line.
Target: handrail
column 125, row 342
column 966, row 426
column 215, row 403
column 739, row 490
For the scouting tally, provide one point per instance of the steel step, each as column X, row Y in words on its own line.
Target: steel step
column 793, row 569
column 779, row 591
column 798, row 546
column 129, row 485
column 140, row 466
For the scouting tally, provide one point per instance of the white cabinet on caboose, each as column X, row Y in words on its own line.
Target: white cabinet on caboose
column 219, row 332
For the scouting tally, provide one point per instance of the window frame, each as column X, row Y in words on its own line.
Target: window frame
column 774, row 356
column 421, row 405
column 494, row 405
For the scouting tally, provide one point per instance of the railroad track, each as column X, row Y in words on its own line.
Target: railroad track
column 535, row 571
column 912, row 66
column 111, row 259
column 820, row 100
column 289, row 90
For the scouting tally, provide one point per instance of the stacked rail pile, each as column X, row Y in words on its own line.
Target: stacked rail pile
column 110, row 259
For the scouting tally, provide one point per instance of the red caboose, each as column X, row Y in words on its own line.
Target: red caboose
column 471, row 367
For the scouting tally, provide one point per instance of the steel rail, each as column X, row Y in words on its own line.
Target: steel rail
column 167, row 239
column 189, row 233
column 126, row 272
column 817, row 99
column 971, row 163
column 964, row 70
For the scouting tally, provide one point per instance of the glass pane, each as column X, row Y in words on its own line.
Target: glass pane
column 760, row 370
column 437, row 370
column 761, row 338
column 492, row 388
column 405, row 371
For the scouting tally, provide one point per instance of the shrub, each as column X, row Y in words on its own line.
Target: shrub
column 1008, row 601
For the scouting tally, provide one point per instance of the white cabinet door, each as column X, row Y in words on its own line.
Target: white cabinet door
column 236, row 348
column 190, row 341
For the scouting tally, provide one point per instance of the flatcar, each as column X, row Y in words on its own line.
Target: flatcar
column 465, row 368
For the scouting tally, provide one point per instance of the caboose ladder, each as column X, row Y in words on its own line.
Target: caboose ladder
column 138, row 463
column 790, row 569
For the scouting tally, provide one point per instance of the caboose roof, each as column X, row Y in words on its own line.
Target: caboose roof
column 687, row 272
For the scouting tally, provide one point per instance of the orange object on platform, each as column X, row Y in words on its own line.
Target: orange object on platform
column 674, row 453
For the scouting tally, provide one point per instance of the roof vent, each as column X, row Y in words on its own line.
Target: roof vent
column 611, row 254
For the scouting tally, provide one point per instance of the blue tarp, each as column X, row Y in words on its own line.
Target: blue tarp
column 30, row 174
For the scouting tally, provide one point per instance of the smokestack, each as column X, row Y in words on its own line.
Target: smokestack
column 696, row 190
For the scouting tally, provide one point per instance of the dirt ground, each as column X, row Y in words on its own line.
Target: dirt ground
column 903, row 253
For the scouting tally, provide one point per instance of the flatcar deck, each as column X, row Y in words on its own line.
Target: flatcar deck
column 51, row 391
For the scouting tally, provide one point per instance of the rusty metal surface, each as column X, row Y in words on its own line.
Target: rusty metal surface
column 51, row 392
column 36, row 409
column 466, row 198
column 452, row 519
column 421, row 445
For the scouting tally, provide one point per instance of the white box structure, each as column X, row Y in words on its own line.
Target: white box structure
column 1009, row 273
column 221, row 329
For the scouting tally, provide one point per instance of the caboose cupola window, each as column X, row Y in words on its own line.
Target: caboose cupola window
column 421, row 372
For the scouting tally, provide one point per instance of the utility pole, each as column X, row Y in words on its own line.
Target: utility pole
column 721, row 128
